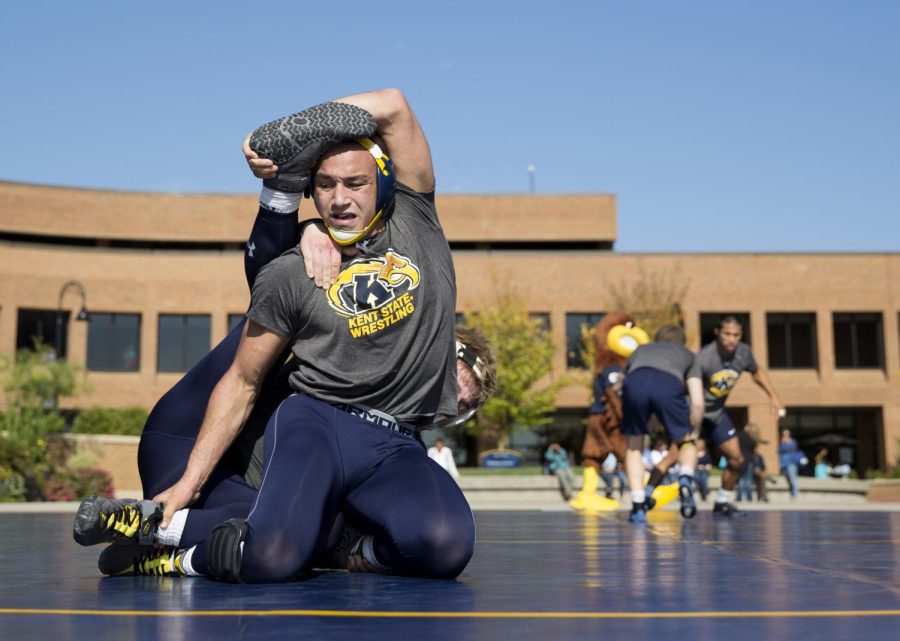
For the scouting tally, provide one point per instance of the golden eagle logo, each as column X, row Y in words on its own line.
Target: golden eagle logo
column 721, row 382
column 372, row 283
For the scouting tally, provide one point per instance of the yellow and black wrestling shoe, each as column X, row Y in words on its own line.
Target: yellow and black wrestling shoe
column 141, row 560
column 103, row 520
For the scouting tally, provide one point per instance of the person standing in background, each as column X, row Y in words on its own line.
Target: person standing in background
column 443, row 456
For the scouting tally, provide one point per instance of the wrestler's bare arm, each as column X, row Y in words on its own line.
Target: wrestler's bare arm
column 762, row 379
column 229, row 406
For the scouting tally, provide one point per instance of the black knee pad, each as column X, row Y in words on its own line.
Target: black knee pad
column 224, row 550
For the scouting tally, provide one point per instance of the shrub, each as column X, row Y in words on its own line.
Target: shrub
column 71, row 485
column 61, row 487
column 93, row 481
column 28, row 461
column 28, row 424
column 12, row 486
column 105, row 420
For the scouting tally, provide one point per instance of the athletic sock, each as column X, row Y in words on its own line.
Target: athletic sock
column 638, row 498
column 724, row 496
column 172, row 534
column 186, row 563
column 687, row 471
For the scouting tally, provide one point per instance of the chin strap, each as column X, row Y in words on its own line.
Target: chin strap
column 345, row 237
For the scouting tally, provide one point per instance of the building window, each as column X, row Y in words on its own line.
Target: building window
column 858, row 340
column 543, row 318
column 114, row 342
column 233, row 320
column 574, row 344
column 35, row 326
column 792, row 341
column 183, row 340
column 710, row 320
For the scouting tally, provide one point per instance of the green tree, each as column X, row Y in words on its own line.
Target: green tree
column 526, row 386
column 33, row 382
column 35, row 379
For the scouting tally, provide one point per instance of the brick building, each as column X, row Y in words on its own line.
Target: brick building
column 162, row 277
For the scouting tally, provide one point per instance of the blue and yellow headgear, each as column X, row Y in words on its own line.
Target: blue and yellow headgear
column 384, row 183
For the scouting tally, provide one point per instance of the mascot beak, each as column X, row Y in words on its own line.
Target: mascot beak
column 624, row 339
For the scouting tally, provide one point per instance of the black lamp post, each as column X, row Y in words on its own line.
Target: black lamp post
column 82, row 313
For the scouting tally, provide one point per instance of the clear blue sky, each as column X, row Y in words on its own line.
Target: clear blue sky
column 720, row 126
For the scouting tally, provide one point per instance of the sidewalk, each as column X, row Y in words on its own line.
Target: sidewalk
column 537, row 492
column 542, row 493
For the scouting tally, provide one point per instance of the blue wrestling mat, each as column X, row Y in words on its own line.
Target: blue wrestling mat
column 547, row 576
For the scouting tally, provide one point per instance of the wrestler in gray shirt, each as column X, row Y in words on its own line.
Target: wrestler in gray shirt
column 720, row 375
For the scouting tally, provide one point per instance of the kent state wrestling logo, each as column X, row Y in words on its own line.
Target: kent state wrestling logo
column 375, row 293
column 721, row 382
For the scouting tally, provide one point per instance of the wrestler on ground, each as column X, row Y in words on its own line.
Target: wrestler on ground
column 342, row 190
column 175, row 420
column 721, row 364
column 656, row 376
column 387, row 321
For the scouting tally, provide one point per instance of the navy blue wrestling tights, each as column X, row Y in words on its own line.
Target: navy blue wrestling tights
column 319, row 461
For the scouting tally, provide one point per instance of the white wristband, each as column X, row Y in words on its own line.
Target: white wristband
column 280, row 202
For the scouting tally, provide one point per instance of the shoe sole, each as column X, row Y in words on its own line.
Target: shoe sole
column 281, row 140
column 688, row 506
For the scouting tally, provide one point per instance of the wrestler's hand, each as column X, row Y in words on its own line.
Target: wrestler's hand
column 321, row 255
column 777, row 409
column 261, row 167
column 176, row 497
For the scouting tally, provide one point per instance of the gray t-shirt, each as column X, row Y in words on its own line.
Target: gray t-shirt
column 671, row 358
column 382, row 335
column 720, row 375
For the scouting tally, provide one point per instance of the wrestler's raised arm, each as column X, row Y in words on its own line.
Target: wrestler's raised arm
column 402, row 134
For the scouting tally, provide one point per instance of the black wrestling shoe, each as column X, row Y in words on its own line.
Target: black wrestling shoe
column 141, row 560
column 102, row 520
column 638, row 513
column 649, row 503
column 688, row 506
column 727, row 509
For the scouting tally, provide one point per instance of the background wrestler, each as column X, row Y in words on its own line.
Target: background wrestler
column 721, row 364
